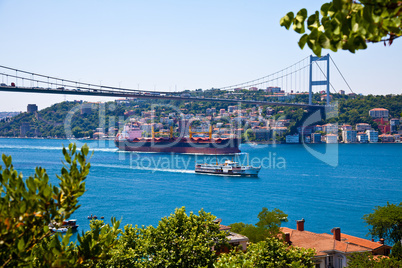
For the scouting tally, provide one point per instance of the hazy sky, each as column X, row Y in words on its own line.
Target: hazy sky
column 165, row 45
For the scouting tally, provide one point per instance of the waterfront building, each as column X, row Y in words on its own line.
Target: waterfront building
column 332, row 250
column 317, row 128
column 362, row 137
column 372, row 135
column 346, row 127
column 99, row 135
column 349, row 136
column 292, row 138
column 397, row 137
column 386, row 138
column 330, row 128
column 316, row 138
column 394, row 123
column 331, row 138
column 379, row 113
column 361, row 127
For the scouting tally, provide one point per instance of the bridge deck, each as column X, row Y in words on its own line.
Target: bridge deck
column 139, row 94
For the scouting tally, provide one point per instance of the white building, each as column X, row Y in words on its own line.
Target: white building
column 362, row 127
column 362, row 137
column 331, row 138
column 349, row 136
column 372, row 136
column 330, row 128
column 292, row 138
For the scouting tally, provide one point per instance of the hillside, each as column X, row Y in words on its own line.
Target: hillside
column 50, row 122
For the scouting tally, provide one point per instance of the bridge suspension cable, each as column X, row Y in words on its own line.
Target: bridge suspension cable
column 341, row 74
column 255, row 82
column 289, row 80
column 59, row 82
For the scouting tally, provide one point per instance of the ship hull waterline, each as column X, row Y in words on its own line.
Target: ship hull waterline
column 227, row 173
column 185, row 146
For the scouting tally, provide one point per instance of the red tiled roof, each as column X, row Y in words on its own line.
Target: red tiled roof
column 224, row 227
column 322, row 243
column 361, row 242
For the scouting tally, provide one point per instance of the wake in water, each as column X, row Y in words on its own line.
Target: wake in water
column 146, row 168
column 3, row 146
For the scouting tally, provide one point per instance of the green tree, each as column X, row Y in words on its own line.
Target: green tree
column 396, row 251
column 249, row 135
column 386, row 222
column 95, row 247
column 77, row 132
column 366, row 259
column 182, row 240
column 271, row 252
column 27, row 207
column 347, row 24
column 268, row 225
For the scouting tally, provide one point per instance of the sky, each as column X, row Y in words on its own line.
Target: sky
column 170, row 45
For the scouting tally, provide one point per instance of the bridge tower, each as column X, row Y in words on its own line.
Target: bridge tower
column 320, row 82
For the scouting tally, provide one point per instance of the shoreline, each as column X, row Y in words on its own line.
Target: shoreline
column 250, row 143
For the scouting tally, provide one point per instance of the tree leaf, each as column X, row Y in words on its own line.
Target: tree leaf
column 303, row 40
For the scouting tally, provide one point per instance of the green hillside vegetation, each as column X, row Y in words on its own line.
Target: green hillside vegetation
column 49, row 122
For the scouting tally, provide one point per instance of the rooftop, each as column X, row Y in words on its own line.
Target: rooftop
column 322, row 243
column 378, row 109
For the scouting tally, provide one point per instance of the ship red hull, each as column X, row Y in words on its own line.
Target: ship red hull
column 184, row 145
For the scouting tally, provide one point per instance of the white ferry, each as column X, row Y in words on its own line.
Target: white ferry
column 229, row 168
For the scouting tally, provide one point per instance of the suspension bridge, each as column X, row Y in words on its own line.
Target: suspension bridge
column 290, row 80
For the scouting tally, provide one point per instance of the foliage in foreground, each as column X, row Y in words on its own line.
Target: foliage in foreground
column 27, row 207
column 268, row 225
column 365, row 260
column 347, row 24
column 386, row 222
column 271, row 252
column 179, row 240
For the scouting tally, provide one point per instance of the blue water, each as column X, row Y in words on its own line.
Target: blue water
column 140, row 190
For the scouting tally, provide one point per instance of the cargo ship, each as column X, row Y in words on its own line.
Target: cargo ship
column 130, row 139
column 229, row 168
